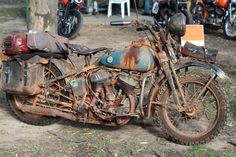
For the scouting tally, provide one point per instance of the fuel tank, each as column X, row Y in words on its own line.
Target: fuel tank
column 135, row 58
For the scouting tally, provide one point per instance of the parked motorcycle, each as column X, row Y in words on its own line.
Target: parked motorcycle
column 70, row 18
column 42, row 84
column 164, row 9
column 216, row 13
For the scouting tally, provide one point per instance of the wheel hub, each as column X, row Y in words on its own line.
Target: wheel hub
column 191, row 111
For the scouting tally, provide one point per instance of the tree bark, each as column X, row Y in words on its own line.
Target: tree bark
column 42, row 15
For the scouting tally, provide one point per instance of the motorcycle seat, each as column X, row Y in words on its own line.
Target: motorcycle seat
column 199, row 53
column 84, row 50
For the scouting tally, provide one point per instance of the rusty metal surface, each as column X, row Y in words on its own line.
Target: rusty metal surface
column 46, row 112
column 106, row 94
column 22, row 77
column 139, row 56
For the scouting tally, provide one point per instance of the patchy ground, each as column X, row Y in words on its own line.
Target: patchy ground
column 68, row 138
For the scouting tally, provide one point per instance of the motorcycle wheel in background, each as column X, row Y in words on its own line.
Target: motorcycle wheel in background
column 230, row 29
column 71, row 26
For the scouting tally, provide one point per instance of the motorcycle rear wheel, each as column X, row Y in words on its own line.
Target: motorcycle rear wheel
column 201, row 122
column 63, row 28
column 15, row 100
column 230, row 30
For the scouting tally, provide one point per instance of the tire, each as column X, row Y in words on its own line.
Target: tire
column 191, row 127
column 63, row 28
column 189, row 17
column 15, row 100
column 230, row 30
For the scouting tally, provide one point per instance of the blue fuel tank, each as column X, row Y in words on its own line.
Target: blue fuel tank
column 132, row 58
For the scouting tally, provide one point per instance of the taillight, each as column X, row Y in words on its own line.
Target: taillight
column 64, row 2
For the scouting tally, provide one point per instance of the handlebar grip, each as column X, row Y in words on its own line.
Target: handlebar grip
column 141, row 28
column 119, row 23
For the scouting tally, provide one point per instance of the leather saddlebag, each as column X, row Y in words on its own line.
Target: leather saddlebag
column 199, row 53
column 22, row 77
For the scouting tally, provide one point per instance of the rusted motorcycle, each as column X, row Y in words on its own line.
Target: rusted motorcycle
column 41, row 86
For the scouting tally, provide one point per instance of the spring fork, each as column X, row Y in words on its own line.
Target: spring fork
column 230, row 14
column 178, row 83
column 170, row 80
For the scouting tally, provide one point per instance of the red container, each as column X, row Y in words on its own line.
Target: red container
column 15, row 44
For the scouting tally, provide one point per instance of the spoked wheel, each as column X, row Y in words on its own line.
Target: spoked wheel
column 70, row 27
column 16, row 100
column 200, row 120
column 230, row 28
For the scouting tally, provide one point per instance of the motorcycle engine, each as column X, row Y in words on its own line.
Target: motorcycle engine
column 111, row 90
column 102, row 79
column 215, row 16
column 102, row 76
column 127, row 83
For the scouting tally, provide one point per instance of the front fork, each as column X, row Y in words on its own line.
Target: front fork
column 232, row 18
column 174, row 83
column 176, row 87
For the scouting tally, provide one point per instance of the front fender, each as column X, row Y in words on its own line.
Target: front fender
column 216, row 70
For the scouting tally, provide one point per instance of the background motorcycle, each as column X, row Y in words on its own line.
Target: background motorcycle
column 216, row 13
column 164, row 9
column 70, row 18
column 110, row 91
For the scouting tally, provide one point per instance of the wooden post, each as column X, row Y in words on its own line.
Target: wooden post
column 42, row 15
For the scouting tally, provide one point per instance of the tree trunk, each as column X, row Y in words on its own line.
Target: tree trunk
column 42, row 15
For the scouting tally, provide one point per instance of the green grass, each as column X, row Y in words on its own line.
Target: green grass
column 13, row 12
column 3, row 153
column 201, row 151
column 230, row 154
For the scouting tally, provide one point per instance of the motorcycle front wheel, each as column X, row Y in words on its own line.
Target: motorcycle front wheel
column 201, row 120
column 71, row 26
column 230, row 29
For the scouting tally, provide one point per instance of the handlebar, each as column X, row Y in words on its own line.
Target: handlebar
column 140, row 26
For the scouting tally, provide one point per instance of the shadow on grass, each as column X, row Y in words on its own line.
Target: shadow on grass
column 149, row 126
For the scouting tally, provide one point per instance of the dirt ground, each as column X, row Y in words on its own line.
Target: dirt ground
column 70, row 139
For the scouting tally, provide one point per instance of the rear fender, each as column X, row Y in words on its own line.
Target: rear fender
column 63, row 66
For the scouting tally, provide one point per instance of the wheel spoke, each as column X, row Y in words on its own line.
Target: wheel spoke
column 198, row 117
